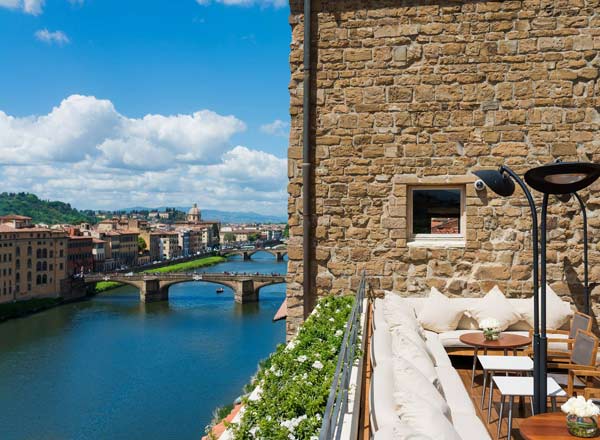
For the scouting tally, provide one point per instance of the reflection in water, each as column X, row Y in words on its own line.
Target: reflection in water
column 115, row 368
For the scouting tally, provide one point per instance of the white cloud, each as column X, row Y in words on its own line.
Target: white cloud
column 262, row 3
column 87, row 153
column 276, row 128
column 56, row 37
column 33, row 7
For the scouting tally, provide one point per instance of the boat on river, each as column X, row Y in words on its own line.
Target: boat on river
column 220, row 290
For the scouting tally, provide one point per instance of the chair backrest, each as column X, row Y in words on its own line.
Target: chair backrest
column 580, row 321
column 584, row 348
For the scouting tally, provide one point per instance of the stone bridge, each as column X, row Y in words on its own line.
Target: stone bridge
column 155, row 286
column 247, row 253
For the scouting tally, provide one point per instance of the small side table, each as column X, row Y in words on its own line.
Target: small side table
column 548, row 426
column 501, row 364
column 505, row 342
column 512, row 386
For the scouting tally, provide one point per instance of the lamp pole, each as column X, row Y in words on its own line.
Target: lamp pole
column 586, row 285
column 537, row 401
column 543, row 350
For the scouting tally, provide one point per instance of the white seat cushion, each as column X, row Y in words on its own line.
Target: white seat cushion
column 456, row 395
column 469, row 427
column 439, row 313
column 451, row 339
column 436, row 348
column 494, row 305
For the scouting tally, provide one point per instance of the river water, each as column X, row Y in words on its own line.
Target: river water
column 113, row 368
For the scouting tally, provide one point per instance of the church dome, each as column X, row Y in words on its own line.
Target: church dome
column 194, row 214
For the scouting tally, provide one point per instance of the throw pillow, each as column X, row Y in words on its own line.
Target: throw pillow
column 439, row 313
column 427, row 420
column 557, row 310
column 403, row 347
column 413, row 337
column 406, row 397
column 398, row 313
column 495, row 305
column 409, row 379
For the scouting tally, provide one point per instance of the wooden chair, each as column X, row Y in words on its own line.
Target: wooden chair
column 581, row 360
column 579, row 321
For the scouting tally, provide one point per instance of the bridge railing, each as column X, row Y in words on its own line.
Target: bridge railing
column 347, row 370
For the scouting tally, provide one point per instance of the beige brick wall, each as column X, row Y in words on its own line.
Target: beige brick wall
column 412, row 92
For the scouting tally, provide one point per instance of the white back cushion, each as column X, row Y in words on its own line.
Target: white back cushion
column 495, row 305
column 439, row 313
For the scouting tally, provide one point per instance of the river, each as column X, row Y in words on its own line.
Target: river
column 113, row 368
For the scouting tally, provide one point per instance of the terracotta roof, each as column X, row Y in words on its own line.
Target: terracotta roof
column 8, row 228
column 14, row 217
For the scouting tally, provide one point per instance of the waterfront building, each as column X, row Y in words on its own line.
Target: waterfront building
column 183, row 239
column 99, row 255
column 33, row 260
column 406, row 101
column 164, row 245
column 80, row 258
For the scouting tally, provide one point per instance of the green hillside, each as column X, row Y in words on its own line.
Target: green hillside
column 42, row 211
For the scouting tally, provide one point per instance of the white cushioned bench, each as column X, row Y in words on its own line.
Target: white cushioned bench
column 384, row 417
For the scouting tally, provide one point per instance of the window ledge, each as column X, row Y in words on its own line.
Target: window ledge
column 437, row 244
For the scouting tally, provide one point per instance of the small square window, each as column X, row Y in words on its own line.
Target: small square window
column 436, row 215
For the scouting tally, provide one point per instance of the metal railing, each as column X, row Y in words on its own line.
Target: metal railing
column 337, row 403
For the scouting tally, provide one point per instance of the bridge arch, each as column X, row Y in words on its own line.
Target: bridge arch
column 167, row 284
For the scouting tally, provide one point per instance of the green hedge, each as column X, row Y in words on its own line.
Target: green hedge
column 187, row 265
column 295, row 380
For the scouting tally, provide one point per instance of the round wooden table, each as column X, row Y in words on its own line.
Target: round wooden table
column 545, row 427
column 505, row 342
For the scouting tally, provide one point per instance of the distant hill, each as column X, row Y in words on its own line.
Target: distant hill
column 222, row 216
column 42, row 211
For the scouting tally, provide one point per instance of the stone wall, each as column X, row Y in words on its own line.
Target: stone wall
column 423, row 92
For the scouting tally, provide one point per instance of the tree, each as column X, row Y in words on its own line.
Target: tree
column 286, row 231
column 253, row 237
column 229, row 237
column 142, row 246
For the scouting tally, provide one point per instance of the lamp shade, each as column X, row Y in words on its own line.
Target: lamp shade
column 562, row 177
column 498, row 182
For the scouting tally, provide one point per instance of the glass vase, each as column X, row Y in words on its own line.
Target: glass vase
column 583, row 427
column 491, row 335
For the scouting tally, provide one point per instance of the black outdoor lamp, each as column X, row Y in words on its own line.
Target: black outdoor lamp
column 555, row 178
column 501, row 182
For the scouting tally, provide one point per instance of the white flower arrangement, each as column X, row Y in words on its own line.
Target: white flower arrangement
column 489, row 324
column 580, row 407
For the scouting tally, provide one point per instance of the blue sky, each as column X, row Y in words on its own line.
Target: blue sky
column 81, row 77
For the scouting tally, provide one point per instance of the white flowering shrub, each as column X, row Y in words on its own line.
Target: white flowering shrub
column 295, row 380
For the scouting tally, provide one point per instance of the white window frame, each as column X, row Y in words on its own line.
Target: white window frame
column 437, row 240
